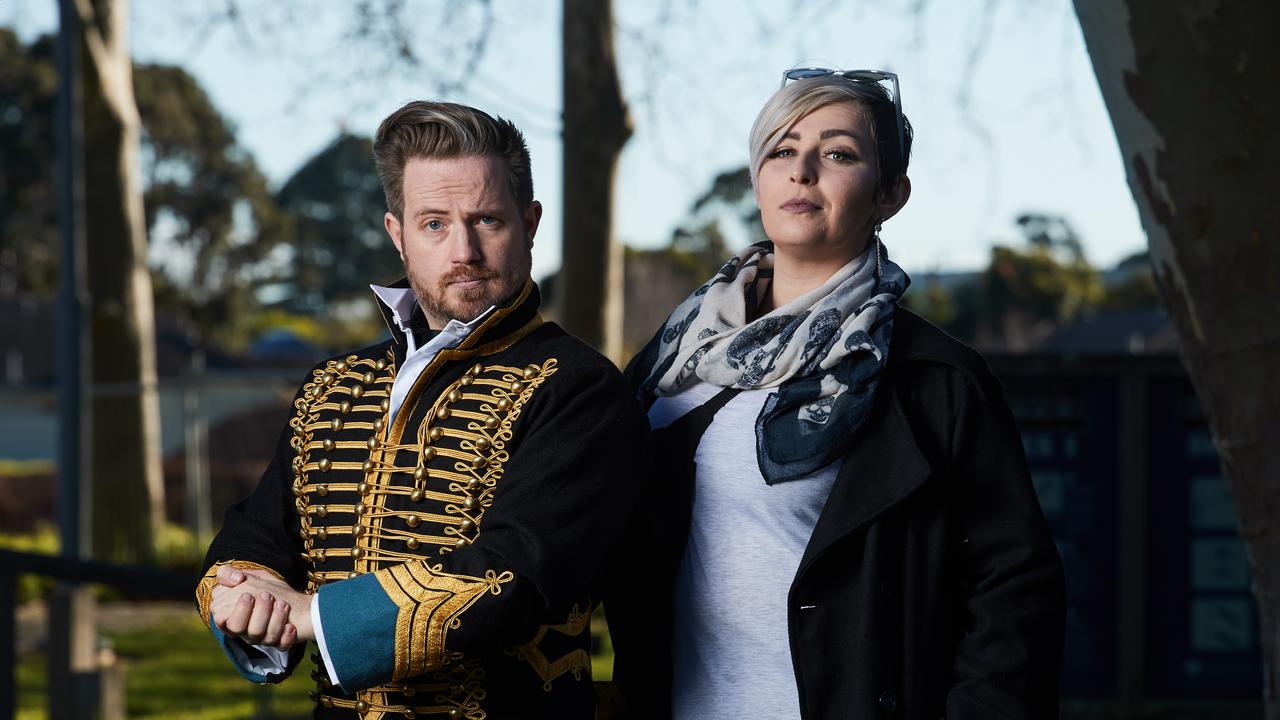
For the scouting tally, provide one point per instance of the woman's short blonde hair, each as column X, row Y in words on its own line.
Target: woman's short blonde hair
column 801, row 97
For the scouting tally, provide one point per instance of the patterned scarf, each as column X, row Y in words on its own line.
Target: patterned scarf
column 823, row 352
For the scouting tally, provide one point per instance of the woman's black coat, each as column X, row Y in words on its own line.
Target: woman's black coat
column 930, row 587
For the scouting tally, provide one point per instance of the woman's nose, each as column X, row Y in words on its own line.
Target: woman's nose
column 801, row 173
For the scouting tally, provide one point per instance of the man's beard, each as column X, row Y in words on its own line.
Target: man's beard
column 439, row 302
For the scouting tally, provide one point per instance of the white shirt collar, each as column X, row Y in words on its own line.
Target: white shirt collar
column 401, row 301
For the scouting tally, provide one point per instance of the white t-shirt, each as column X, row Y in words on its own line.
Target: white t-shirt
column 730, row 651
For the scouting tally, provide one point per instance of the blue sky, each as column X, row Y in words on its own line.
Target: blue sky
column 1007, row 113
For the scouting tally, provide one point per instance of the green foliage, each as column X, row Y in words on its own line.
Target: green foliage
column 207, row 197
column 338, row 243
column 28, row 202
column 45, row 540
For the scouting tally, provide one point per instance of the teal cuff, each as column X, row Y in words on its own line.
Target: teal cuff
column 359, row 622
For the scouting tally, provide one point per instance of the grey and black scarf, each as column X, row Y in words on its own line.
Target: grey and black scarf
column 822, row 352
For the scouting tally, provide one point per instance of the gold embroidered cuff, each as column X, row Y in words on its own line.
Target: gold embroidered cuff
column 204, row 591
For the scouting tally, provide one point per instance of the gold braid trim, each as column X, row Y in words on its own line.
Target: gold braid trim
column 204, row 590
column 575, row 662
column 431, row 603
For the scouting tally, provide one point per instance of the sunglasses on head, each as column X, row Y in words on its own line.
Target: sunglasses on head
column 866, row 76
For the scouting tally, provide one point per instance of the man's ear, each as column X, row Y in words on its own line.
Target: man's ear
column 532, row 216
column 392, row 224
column 891, row 201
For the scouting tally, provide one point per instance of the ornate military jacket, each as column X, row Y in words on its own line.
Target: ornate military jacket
column 457, row 550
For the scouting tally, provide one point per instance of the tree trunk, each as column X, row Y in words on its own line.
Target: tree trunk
column 1192, row 90
column 128, row 491
column 596, row 127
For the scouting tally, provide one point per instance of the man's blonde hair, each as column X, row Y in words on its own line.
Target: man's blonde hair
column 426, row 130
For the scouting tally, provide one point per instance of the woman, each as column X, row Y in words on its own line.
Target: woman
column 843, row 523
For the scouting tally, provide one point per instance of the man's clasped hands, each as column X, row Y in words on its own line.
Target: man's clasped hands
column 259, row 608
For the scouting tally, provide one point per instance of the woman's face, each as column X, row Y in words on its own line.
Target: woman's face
column 817, row 189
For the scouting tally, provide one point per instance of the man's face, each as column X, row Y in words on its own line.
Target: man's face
column 464, row 240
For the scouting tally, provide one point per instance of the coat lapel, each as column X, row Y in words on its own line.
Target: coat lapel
column 883, row 467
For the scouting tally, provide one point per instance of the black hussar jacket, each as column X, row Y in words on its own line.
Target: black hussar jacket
column 930, row 587
column 456, row 551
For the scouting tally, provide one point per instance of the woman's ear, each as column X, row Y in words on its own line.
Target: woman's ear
column 892, row 200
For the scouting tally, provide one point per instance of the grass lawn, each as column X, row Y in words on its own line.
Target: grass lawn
column 174, row 670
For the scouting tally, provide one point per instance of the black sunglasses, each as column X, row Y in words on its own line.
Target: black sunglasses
column 867, row 76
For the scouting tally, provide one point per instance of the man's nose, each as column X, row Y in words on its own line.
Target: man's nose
column 464, row 246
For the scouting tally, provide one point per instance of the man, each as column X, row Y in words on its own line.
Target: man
column 438, row 510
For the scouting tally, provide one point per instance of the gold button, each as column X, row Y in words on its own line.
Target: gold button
column 362, row 707
column 479, row 461
column 341, row 366
column 336, row 424
column 473, row 484
column 455, row 714
column 462, row 542
column 419, row 473
column 362, row 488
column 443, row 413
column 357, row 531
column 372, row 442
column 504, row 405
column 482, row 443
column 467, row 525
column 385, row 404
column 357, row 391
column 434, row 434
column 303, row 533
column 378, row 424
column 417, row 495
column 530, row 372
column 465, row 380
column 367, row 466
column 327, row 444
column 428, row 453
column 411, row 543
column 491, row 422
column 368, row 378
column 324, row 464
column 322, row 511
column 357, row 553
column 344, row 407
column 322, row 490
column 454, row 396
column 517, row 387
column 469, row 503
column 409, row 691
column 319, row 555
column 322, row 534
column 360, row 508
column 297, row 492
column 353, row 574
column 297, row 429
column 314, row 392
column 476, row 370
column 381, row 364
column 413, row 521
column 328, row 378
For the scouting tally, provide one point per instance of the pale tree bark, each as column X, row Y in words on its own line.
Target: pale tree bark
column 1193, row 90
column 589, row 289
column 128, row 491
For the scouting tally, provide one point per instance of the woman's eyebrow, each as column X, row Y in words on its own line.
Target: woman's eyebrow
column 826, row 134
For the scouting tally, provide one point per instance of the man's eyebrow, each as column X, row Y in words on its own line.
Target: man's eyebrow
column 429, row 211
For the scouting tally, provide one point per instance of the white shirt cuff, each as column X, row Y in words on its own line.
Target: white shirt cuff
column 319, row 629
column 272, row 661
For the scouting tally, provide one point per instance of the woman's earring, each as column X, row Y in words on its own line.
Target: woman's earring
column 879, row 251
